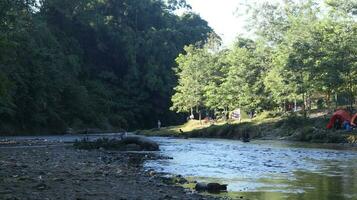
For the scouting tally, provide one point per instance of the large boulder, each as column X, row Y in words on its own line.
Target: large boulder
column 144, row 142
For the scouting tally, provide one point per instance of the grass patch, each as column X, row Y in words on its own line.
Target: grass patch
column 175, row 130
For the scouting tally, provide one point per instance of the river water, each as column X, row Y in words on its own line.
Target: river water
column 273, row 170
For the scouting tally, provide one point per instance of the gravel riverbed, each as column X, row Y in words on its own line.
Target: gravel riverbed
column 40, row 170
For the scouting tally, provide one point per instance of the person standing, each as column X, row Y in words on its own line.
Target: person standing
column 158, row 124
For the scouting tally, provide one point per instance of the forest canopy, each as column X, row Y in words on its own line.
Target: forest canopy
column 90, row 63
column 125, row 64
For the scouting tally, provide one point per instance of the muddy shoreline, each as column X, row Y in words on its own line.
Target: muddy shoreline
column 56, row 170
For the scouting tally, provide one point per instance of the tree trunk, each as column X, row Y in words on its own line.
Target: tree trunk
column 304, row 105
column 328, row 97
column 309, row 102
column 225, row 114
column 351, row 92
column 200, row 116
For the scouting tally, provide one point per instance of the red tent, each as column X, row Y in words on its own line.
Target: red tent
column 340, row 115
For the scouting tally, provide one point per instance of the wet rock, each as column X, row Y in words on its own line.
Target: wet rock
column 151, row 173
column 41, row 186
column 211, row 187
column 216, row 187
column 58, row 179
column 167, row 196
column 201, row 187
column 164, row 157
column 24, row 178
column 181, row 180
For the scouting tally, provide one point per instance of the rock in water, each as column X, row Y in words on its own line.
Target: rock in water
column 211, row 187
column 201, row 186
column 216, row 187
column 144, row 142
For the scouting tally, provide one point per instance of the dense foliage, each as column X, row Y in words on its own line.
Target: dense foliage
column 90, row 63
column 304, row 54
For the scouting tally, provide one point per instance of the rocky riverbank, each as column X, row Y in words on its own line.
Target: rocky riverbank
column 42, row 170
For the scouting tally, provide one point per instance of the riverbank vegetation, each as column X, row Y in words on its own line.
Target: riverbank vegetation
column 300, row 67
column 90, row 64
column 267, row 125
column 303, row 57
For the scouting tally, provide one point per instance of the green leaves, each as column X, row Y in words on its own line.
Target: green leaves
column 189, row 92
column 303, row 51
column 90, row 63
column 219, row 80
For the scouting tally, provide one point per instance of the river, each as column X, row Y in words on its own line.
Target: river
column 258, row 170
column 273, row 170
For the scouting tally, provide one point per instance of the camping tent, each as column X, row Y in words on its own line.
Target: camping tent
column 341, row 116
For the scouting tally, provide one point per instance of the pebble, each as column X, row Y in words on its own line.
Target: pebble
column 41, row 186
column 58, row 179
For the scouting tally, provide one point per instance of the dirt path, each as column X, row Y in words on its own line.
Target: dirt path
column 59, row 171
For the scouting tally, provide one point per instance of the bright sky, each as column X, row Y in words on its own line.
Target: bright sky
column 220, row 15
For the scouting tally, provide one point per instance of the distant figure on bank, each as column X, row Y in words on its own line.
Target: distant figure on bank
column 245, row 137
column 158, row 124
column 347, row 126
column 337, row 124
column 123, row 135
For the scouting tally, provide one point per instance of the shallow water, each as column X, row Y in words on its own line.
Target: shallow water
column 273, row 170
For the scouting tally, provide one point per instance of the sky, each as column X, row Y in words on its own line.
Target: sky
column 221, row 16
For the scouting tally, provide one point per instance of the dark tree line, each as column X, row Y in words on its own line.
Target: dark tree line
column 90, row 63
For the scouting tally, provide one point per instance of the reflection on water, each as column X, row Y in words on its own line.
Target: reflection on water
column 264, row 169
